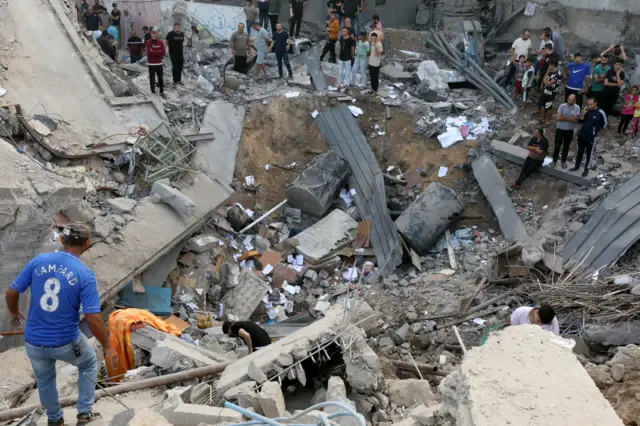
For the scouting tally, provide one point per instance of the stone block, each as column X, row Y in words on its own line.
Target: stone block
column 163, row 192
column 193, row 415
column 272, row 400
column 407, row 392
column 121, row 204
column 202, row 243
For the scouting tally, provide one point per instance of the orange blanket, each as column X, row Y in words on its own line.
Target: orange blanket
column 121, row 323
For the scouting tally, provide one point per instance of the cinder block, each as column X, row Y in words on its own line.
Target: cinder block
column 193, row 415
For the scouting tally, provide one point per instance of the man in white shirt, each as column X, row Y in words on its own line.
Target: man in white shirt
column 544, row 316
column 521, row 46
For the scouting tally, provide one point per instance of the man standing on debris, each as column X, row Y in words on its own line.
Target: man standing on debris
column 347, row 49
column 262, row 47
column 251, row 14
column 597, row 82
column 363, row 49
column 240, row 49
column 115, row 20
column 175, row 42
column 578, row 79
column 263, row 9
column 135, row 46
column 333, row 32
column 62, row 288
column 593, row 119
column 520, row 47
column 544, row 316
column 568, row 116
column 253, row 335
column 296, row 10
column 351, row 9
column 155, row 53
column 613, row 82
column 538, row 147
column 551, row 84
column 280, row 45
column 374, row 60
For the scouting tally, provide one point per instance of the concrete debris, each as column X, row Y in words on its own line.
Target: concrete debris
column 364, row 372
column 244, row 395
column 195, row 414
column 243, row 299
column 272, row 400
column 314, row 189
column 405, row 393
column 429, row 216
column 169, row 352
column 161, row 191
column 337, row 391
column 429, row 72
column 141, row 417
column 202, row 243
column 394, row 73
column 324, row 239
column 559, row 390
column 121, row 205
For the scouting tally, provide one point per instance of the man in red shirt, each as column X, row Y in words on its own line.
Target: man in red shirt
column 156, row 50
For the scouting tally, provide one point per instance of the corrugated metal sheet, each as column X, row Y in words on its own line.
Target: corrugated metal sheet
column 344, row 136
column 313, row 66
column 611, row 231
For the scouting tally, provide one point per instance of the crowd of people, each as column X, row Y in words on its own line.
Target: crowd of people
column 600, row 81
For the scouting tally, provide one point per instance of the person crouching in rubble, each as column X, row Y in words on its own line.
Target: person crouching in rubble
column 538, row 147
column 544, row 316
column 253, row 335
column 61, row 286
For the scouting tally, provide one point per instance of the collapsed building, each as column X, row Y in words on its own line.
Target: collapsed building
column 371, row 236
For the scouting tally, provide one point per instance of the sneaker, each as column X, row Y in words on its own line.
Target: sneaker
column 563, row 165
column 84, row 418
column 56, row 423
column 574, row 169
column 585, row 173
column 553, row 164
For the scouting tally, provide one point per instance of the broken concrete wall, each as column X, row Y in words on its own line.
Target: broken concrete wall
column 605, row 22
column 522, row 376
column 30, row 197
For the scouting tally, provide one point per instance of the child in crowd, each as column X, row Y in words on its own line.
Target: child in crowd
column 527, row 80
column 521, row 69
column 635, row 126
column 628, row 110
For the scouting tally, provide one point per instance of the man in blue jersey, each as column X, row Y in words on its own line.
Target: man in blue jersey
column 61, row 286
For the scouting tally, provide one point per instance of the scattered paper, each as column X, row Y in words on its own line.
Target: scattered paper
column 443, row 171
column 2, row 91
column 250, row 180
column 449, row 137
column 547, row 161
column 390, row 168
column 544, row 207
column 300, row 260
column 290, row 289
column 479, row 321
column 292, row 94
column 314, row 114
column 267, row 166
column 351, row 274
column 446, row 271
column 267, row 269
column 355, row 110
column 442, row 360
column 352, row 191
column 346, row 197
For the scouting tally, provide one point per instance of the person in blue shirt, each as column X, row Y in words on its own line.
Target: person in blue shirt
column 578, row 75
column 61, row 287
column 280, row 45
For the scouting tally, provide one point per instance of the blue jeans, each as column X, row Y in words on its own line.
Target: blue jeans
column 249, row 26
column 43, row 360
column 344, row 72
column 280, row 57
column 360, row 64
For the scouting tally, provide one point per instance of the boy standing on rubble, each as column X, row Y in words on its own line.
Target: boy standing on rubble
column 544, row 316
column 347, row 49
column 155, row 53
column 61, row 287
column 550, row 84
column 374, row 60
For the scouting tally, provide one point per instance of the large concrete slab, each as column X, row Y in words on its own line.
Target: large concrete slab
column 492, row 186
column 522, row 377
column 313, row 66
column 50, row 71
column 517, row 155
column 225, row 121
column 344, row 136
column 325, row 238
column 155, row 230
